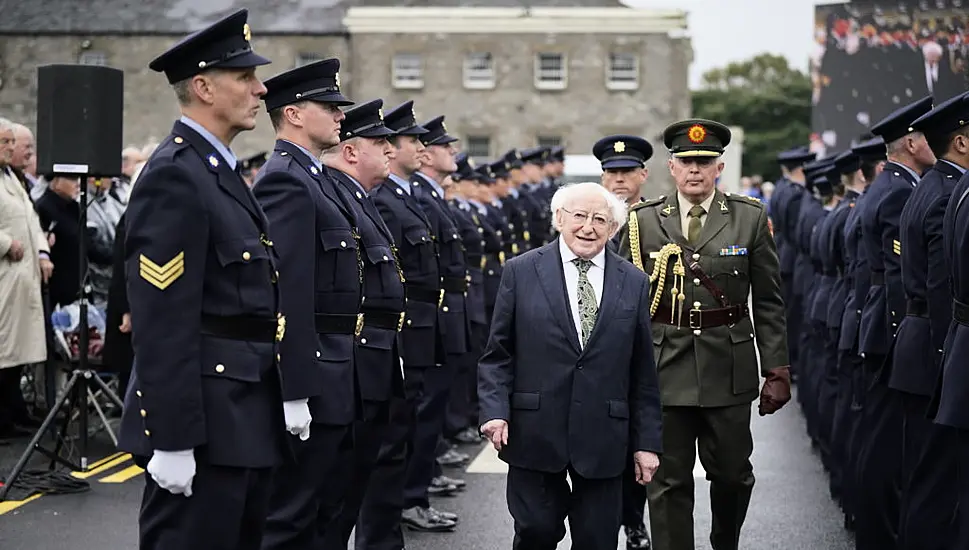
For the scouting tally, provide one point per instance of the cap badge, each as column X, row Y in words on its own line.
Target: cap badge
column 413, row 115
column 518, row 155
column 380, row 113
column 471, row 162
column 443, row 127
column 247, row 32
column 336, row 79
column 619, row 146
column 507, row 166
column 697, row 133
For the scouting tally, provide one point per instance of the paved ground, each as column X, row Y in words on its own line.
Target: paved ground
column 790, row 508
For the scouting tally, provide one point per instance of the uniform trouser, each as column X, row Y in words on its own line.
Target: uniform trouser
column 462, row 410
column 305, row 491
column 227, row 510
column 539, row 502
column 810, row 369
column 930, row 484
column 378, row 526
column 721, row 436
column 879, row 462
column 633, row 498
column 841, row 420
column 430, row 411
column 962, row 512
column 794, row 317
column 827, row 390
column 852, row 365
column 355, row 471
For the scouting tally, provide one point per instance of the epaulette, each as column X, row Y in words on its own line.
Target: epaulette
column 745, row 199
column 648, row 202
column 171, row 147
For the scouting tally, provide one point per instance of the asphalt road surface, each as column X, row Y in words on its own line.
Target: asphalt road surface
column 790, row 508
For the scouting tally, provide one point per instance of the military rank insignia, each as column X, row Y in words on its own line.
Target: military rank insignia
column 897, row 247
column 733, row 250
column 161, row 276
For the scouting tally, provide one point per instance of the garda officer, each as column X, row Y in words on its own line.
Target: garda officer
column 951, row 395
column 428, row 186
column 884, row 306
column 421, row 347
column 251, row 166
column 519, row 212
column 357, row 165
column 204, row 408
column 928, row 463
column 322, row 294
column 857, row 281
column 539, row 213
column 716, row 251
column 507, row 193
column 624, row 173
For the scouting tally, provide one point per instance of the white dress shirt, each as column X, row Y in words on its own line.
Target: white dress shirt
column 596, row 275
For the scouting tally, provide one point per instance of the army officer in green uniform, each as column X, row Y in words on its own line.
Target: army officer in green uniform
column 712, row 262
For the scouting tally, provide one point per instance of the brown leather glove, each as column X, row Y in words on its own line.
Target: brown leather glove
column 776, row 391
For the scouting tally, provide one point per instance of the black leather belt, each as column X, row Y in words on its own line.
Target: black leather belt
column 917, row 308
column 242, row 327
column 877, row 278
column 423, row 294
column 338, row 323
column 455, row 284
column 703, row 318
column 960, row 312
column 387, row 320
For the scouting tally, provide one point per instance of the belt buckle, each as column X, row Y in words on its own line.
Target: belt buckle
column 696, row 321
column 400, row 321
column 280, row 327
column 359, row 327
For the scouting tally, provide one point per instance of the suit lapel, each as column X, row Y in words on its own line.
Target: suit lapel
column 228, row 179
column 611, row 292
column 552, row 279
column 670, row 221
column 717, row 219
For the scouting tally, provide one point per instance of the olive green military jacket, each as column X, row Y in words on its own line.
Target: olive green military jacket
column 716, row 366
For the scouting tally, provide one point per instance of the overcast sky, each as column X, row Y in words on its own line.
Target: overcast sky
column 733, row 30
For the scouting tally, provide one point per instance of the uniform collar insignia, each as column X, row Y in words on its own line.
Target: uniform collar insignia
column 669, row 209
column 213, row 161
column 723, row 206
column 313, row 170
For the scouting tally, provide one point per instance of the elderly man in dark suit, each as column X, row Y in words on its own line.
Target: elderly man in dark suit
column 567, row 383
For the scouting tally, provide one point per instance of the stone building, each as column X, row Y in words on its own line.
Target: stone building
column 506, row 73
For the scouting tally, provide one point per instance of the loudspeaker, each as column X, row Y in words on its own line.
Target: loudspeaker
column 80, row 112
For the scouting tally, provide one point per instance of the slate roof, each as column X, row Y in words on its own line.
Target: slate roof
column 185, row 16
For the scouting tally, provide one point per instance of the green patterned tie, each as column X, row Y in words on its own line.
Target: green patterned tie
column 588, row 308
column 694, row 227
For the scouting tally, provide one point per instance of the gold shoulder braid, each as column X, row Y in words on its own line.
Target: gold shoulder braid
column 634, row 250
column 658, row 276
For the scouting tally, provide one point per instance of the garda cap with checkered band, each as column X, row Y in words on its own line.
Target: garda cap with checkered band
column 696, row 138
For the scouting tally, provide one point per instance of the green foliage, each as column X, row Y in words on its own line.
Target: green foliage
column 765, row 96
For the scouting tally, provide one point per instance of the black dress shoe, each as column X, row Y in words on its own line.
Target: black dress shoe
column 440, row 488
column 458, row 484
column 422, row 519
column 637, row 538
column 468, row 436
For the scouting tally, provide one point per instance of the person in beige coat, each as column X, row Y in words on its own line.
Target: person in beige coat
column 24, row 265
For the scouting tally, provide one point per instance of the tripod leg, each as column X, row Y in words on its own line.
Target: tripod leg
column 107, row 391
column 32, row 446
column 93, row 399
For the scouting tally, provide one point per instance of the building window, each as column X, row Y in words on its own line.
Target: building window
column 478, row 147
column 479, row 71
column 304, row 58
column 549, row 141
column 93, row 58
column 622, row 73
column 408, row 71
column 551, row 72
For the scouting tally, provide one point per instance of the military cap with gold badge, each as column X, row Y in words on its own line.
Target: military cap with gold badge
column 365, row 120
column 223, row 45
column 696, row 137
column 622, row 151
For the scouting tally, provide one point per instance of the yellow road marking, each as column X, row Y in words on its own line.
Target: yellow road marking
column 102, row 466
column 11, row 505
column 123, row 475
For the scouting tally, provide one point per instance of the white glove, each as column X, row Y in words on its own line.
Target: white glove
column 173, row 470
column 297, row 415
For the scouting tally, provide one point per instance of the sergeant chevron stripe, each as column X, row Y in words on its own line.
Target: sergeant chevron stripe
column 161, row 276
column 897, row 247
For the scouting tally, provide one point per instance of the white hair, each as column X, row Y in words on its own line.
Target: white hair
column 932, row 47
column 6, row 124
column 568, row 193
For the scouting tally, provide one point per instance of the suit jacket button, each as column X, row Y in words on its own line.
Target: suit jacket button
column 220, row 369
column 363, row 341
column 246, row 255
column 148, row 433
column 144, row 413
column 343, row 244
column 444, row 309
column 696, row 256
column 409, row 322
column 317, row 354
column 696, row 282
column 696, row 332
column 138, row 393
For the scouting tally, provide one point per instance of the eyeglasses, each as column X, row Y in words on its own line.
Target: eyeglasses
column 580, row 218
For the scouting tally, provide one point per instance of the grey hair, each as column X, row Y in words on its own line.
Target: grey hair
column 6, row 124
column 899, row 145
column 567, row 193
column 183, row 91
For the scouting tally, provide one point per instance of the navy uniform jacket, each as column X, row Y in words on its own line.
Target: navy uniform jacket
column 517, row 223
column 858, row 277
column 495, row 258
column 378, row 368
column 804, row 276
column 952, row 394
column 788, row 214
column 921, row 334
column 204, row 301
column 453, row 314
column 589, row 407
column 539, row 224
column 417, row 252
column 824, row 276
column 835, row 262
column 786, row 251
column 472, row 231
column 314, row 234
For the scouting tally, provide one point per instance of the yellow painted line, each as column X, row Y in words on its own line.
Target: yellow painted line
column 11, row 505
column 123, row 475
column 100, row 466
column 107, row 459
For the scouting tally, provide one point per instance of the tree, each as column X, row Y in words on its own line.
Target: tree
column 765, row 96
